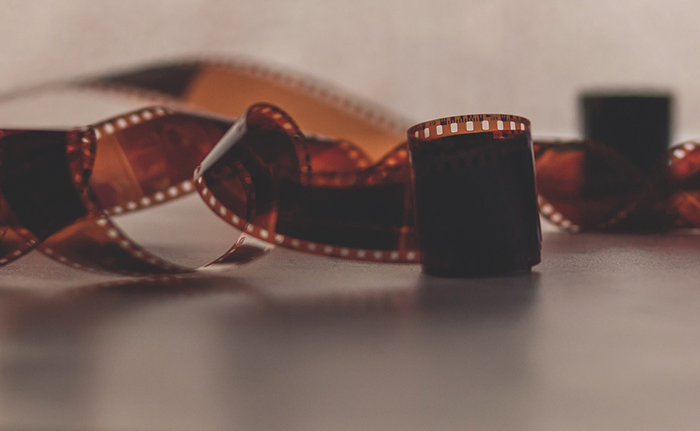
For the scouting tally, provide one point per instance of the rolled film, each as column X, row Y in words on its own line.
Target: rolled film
column 582, row 185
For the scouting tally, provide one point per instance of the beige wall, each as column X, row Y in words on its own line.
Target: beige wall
column 527, row 58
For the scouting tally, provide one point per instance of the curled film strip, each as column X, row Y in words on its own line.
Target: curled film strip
column 582, row 185
column 301, row 201
column 264, row 177
column 58, row 190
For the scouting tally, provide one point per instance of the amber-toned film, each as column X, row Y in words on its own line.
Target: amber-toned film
column 316, row 171
column 583, row 185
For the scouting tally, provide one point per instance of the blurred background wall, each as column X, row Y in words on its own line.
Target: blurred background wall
column 421, row 59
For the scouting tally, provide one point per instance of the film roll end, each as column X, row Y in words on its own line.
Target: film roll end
column 636, row 124
column 475, row 199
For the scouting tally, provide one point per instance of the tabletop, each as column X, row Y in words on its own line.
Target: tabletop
column 601, row 335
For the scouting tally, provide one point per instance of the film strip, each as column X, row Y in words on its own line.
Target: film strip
column 365, row 214
column 58, row 194
column 315, row 194
column 230, row 87
column 587, row 186
column 618, row 197
column 584, row 185
column 262, row 176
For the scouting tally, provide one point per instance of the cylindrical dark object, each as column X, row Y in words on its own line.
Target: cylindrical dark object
column 476, row 205
column 636, row 125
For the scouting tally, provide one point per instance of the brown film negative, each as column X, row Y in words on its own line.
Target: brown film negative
column 230, row 87
column 59, row 190
column 263, row 179
column 262, row 176
column 622, row 196
column 343, row 173
column 147, row 157
column 584, row 185
column 133, row 162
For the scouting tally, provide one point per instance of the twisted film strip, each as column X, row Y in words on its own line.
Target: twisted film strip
column 264, row 177
column 582, row 185
column 572, row 194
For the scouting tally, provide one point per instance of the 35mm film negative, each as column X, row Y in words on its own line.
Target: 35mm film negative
column 583, row 185
column 264, row 177
column 348, row 196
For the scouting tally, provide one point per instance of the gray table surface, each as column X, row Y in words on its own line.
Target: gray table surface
column 604, row 334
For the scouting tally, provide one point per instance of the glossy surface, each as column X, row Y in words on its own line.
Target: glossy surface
column 601, row 336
